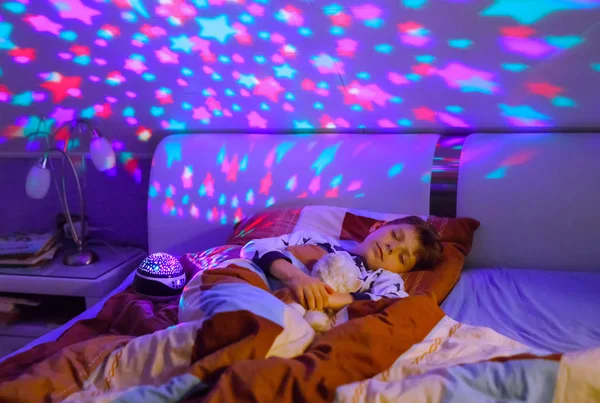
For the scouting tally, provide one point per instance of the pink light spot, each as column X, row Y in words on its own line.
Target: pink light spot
column 131, row 121
column 451, row 120
column 182, row 82
column 354, row 185
column 322, row 92
column 237, row 59
column 130, row 94
column 277, row 38
column 256, row 10
column 416, row 41
column 208, row 70
column 386, row 123
column 366, row 12
column 94, row 79
column 244, row 92
column 276, row 58
column 287, row 107
column 101, row 42
column 65, row 56
column 315, row 185
column 112, row 100
column 534, row 48
column 39, row 96
column 397, row 79
column 74, row 92
column 332, row 193
column 100, row 62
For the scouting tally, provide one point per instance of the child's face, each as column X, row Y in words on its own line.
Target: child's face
column 395, row 248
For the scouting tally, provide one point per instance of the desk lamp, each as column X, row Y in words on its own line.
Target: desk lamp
column 39, row 178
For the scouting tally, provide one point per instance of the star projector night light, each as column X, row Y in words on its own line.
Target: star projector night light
column 159, row 275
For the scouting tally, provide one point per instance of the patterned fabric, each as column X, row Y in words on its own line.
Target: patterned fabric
column 376, row 284
column 236, row 341
column 194, row 262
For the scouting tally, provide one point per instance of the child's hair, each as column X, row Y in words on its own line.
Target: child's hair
column 429, row 238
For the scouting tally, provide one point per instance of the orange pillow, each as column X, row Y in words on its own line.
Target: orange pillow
column 456, row 235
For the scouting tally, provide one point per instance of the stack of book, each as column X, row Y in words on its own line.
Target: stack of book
column 27, row 248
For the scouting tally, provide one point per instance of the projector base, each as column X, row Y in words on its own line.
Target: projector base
column 80, row 258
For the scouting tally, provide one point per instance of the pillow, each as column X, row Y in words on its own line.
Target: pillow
column 456, row 235
column 195, row 262
column 266, row 224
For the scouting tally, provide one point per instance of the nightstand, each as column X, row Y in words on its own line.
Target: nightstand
column 77, row 288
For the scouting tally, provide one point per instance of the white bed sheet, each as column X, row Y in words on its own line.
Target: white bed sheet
column 553, row 310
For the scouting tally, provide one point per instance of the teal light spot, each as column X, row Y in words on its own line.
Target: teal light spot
column 259, row 59
column 497, row 174
column 336, row 31
column 157, row 111
column 325, row 158
column 305, row 31
column 169, row 191
column 396, row 100
column 128, row 112
column 356, row 108
column 426, row 177
column 427, row 59
column 318, row 105
column 129, row 16
column 375, row 23
column 363, row 75
column 176, row 125
column 140, row 37
column 186, row 106
column 323, row 84
column 413, row 77
column 332, row 9
column 1, row 72
column 264, row 106
column 221, row 155
column 206, row 93
column 515, row 67
column 282, row 149
column 454, row 108
column 62, row 6
column 384, row 48
column 84, row 60
column 244, row 163
column 14, row 7
column 246, row 18
column 229, row 92
column 362, row 126
column 223, row 219
column 414, row 3
column 68, row 35
column 356, row 196
column 335, row 182
column 564, row 42
column 302, row 124
column 23, row 99
column 88, row 113
column 135, row 56
column 217, row 113
column 595, row 66
column 148, row 76
column 216, row 77
column 104, row 34
column 522, row 111
column 289, row 96
column 264, row 35
column 222, row 199
column 270, row 202
column 185, row 199
column 460, row 43
column 395, row 170
column 202, row 190
column 405, row 122
column 563, row 102
column 459, row 147
column 236, row 107
column 152, row 192
column 224, row 59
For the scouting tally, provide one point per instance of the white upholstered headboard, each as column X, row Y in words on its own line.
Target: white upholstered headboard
column 536, row 195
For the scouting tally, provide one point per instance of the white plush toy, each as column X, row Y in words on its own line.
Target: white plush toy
column 338, row 271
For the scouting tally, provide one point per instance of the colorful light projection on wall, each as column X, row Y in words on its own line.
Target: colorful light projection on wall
column 147, row 65
column 223, row 183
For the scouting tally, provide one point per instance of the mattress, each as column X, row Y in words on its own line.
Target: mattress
column 550, row 310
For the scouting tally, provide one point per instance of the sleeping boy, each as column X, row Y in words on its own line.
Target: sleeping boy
column 391, row 248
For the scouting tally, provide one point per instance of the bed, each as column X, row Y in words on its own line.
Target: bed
column 527, row 278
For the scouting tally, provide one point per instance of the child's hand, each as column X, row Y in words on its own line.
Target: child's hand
column 311, row 293
column 338, row 300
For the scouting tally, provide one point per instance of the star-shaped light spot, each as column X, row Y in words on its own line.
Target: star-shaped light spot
column 135, row 65
column 255, row 120
column 477, row 84
column 61, row 86
column 73, row 9
column 424, row 113
column 324, row 63
column 284, row 71
column 23, row 99
column 216, row 28
column 270, row 88
column 41, row 23
column 183, row 43
column 248, row 80
column 530, row 11
column 165, row 55
column 62, row 115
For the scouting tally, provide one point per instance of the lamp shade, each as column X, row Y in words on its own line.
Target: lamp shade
column 102, row 153
column 38, row 181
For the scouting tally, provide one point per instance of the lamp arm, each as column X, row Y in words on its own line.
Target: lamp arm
column 77, row 238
